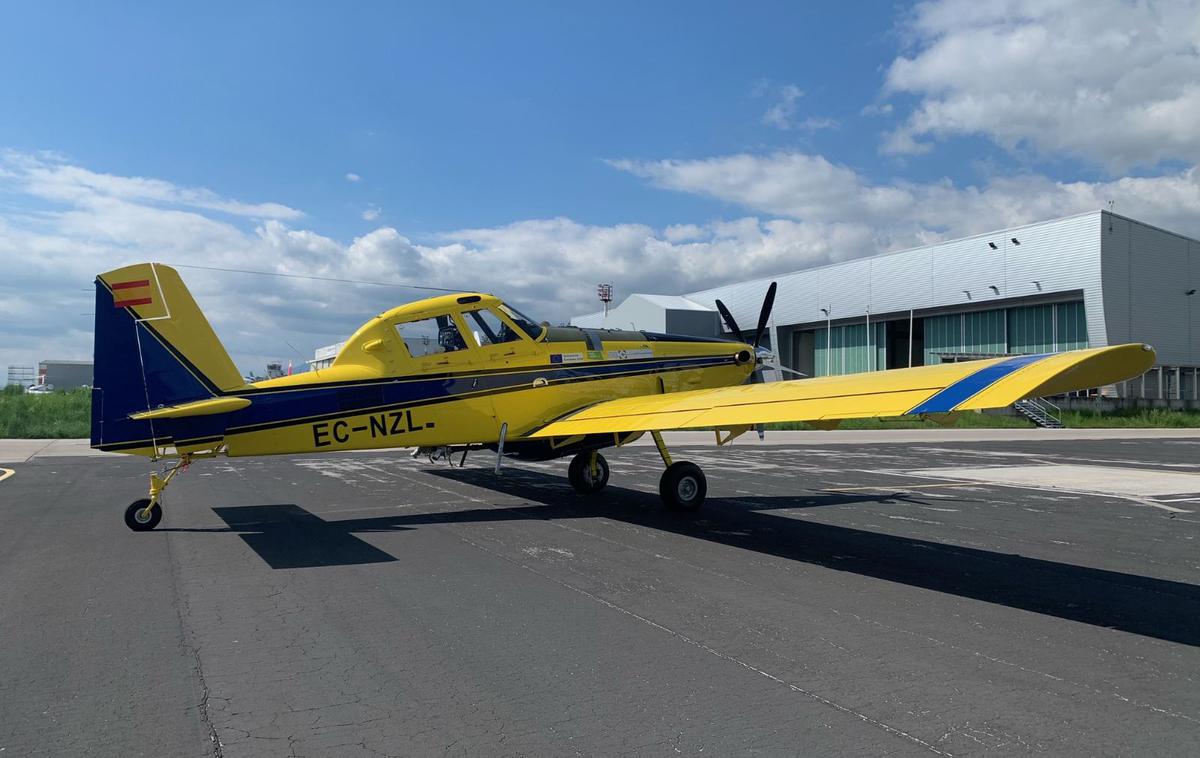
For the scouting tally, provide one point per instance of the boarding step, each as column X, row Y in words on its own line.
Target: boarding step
column 1040, row 411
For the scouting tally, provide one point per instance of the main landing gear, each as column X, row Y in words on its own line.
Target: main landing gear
column 588, row 472
column 682, row 487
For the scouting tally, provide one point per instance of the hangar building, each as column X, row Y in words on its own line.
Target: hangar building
column 1087, row 280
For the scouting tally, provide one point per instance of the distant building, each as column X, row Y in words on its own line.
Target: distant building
column 323, row 356
column 21, row 376
column 671, row 314
column 65, row 375
column 1088, row 280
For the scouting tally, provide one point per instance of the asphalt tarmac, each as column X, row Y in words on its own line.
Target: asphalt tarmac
column 967, row 598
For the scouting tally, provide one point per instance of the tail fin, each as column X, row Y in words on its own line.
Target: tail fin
column 153, row 348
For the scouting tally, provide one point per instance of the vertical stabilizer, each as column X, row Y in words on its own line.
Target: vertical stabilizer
column 153, row 348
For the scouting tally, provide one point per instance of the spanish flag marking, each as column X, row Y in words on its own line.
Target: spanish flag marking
column 132, row 293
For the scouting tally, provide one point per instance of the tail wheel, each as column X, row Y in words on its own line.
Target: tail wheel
column 140, row 516
column 683, row 486
column 583, row 479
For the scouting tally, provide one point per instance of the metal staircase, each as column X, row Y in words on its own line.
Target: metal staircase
column 1040, row 411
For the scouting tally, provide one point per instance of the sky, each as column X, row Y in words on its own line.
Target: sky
column 535, row 149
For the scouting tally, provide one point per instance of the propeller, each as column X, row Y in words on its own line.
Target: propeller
column 764, row 315
column 784, row 368
column 728, row 319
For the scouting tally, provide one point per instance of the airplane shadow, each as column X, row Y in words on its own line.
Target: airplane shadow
column 287, row 536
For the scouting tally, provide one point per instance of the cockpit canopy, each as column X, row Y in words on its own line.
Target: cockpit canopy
column 435, row 326
column 485, row 324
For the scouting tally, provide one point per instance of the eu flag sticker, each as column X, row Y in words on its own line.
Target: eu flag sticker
column 556, row 358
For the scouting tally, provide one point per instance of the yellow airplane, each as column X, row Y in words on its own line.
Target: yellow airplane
column 456, row 372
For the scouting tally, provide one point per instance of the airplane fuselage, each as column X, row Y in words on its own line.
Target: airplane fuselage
column 393, row 385
column 472, row 396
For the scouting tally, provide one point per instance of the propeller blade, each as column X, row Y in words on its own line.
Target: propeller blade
column 765, row 313
column 728, row 318
column 784, row 368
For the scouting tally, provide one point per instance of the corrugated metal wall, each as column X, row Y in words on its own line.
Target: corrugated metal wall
column 853, row 352
column 1058, row 256
column 976, row 333
column 1147, row 273
column 1047, row 328
column 1133, row 279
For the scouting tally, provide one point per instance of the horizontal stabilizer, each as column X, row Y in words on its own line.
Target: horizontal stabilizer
column 197, row 408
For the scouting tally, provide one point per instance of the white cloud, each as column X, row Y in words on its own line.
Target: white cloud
column 810, row 188
column 781, row 112
column 52, row 247
column 817, row 123
column 49, row 177
column 683, row 233
column 353, row 177
column 1111, row 81
column 371, row 213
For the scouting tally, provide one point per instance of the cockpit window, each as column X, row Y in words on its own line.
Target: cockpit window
column 526, row 324
column 487, row 328
column 431, row 335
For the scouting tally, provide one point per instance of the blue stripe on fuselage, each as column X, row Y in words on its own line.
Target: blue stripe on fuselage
column 969, row 386
column 300, row 405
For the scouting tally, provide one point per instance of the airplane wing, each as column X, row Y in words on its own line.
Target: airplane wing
column 943, row 388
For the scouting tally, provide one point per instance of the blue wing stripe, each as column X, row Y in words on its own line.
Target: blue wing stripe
column 972, row 384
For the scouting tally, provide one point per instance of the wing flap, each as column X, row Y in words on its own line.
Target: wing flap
column 945, row 388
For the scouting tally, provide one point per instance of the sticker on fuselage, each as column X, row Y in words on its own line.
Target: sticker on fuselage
column 627, row 355
column 566, row 357
column 379, row 425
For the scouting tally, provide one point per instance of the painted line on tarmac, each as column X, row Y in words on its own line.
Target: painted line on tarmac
column 900, row 487
column 6, row 473
column 1055, row 490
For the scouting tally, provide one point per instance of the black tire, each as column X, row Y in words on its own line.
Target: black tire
column 134, row 519
column 580, row 474
column 683, row 487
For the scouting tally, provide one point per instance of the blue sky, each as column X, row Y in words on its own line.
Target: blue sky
column 532, row 150
column 454, row 116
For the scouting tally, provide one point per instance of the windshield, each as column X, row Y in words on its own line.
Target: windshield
column 523, row 322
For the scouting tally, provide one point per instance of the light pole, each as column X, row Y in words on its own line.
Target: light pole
column 828, row 338
column 1191, row 354
column 870, row 342
column 910, row 336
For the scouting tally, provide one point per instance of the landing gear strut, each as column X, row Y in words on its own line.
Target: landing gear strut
column 144, row 514
column 588, row 472
column 683, row 486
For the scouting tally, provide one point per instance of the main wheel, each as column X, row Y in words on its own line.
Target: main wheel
column 582, row 478
column 137, row 519
column 683, row 486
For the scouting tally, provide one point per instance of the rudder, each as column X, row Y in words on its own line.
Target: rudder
column 153, row 348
